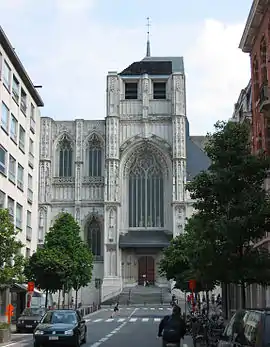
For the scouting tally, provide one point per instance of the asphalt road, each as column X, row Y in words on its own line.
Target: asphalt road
column 132, row 326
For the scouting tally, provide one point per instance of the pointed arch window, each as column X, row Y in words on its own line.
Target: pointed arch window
column 95, row 157
column 146, row 193
column 65, row 157
column 94, row 237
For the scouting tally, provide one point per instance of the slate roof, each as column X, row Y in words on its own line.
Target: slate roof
column 197, row 159
column 155, row 66
column 144, row 239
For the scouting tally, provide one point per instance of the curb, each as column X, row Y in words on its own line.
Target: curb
column 94, row 313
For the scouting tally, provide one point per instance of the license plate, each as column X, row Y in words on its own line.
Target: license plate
column 53, row 337
column 29, row 326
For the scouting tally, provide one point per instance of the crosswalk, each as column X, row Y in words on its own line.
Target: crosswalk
column 128, row 320
column 142, row 308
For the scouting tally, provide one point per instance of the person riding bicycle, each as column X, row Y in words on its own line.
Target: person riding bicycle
column 172, row 328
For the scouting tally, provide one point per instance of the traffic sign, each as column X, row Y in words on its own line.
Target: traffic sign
column 192, row 284
column 30, row 286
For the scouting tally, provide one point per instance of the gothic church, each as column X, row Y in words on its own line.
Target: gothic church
column 123, row 178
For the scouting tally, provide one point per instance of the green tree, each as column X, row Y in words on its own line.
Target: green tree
column 231, row 197
column 11, row 261
column 64, row 236
column 48, row 268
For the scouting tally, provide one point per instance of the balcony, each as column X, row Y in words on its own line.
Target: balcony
column 63, row 180
column 28, row 233
column 264, row 100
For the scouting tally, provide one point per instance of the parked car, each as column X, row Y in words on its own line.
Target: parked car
column 64, row 327
column 249, row 327
column 29, row 319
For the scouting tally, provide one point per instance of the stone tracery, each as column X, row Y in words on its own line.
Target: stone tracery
column 94, row 156
column 94, row 236
column 65, row 156
column 146, row 192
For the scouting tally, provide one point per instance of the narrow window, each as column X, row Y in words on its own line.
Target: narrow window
column 131, row 90
column 159, row 90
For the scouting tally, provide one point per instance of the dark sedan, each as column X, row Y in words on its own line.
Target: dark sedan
column 61, row 327
column 29, row 319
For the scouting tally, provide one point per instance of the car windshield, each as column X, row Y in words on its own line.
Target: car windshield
column 54, row 317
column 33, row 311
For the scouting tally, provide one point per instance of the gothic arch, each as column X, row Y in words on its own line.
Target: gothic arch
column 64, row 155
column 93, row 235
column 94, row 155
column 146, row 171
column 130, row 155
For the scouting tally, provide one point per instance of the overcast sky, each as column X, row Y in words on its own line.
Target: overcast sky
column 68, row 46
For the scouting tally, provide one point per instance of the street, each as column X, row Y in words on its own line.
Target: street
column 132, row 326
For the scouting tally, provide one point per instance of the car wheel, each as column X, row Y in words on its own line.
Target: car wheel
column 18, row 331
column 85, row 336
column 78, row 341
column 36, row 344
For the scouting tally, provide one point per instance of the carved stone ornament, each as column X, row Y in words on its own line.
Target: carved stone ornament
column 146, row 147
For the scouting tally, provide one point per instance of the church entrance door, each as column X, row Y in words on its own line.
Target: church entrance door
column 146, row 269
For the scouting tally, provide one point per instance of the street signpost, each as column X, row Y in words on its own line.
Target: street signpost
column 192, row 286
column 9, row 312
column 30, row 292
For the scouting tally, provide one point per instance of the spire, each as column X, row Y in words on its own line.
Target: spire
column 148, row 53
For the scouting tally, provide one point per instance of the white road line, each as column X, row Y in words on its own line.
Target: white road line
column 157, row 319
column 161, row 308
column 108, row 336
column 109, row 320
column 145, row 319
column 133, row 320
column 97, row 320
column 145, row 308
column 185, row 345
column 152, row 308
column 121, row 320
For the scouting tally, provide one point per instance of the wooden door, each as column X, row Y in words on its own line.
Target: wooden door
column 147, row 268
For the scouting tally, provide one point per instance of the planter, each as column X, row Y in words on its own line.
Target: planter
column 4, row 335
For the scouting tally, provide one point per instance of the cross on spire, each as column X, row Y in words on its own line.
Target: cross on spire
column 148, row 54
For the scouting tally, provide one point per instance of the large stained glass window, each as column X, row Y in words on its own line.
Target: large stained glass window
column 146, row 193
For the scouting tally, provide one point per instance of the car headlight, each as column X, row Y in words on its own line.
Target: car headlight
column 39, row 332
column 21, row 321
column 69, row 332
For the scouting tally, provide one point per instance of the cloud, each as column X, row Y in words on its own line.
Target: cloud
column 74, row 5
column 71, row 54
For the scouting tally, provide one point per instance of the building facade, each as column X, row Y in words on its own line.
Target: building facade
column 123, row 178
column 19, row 147
column 255, row 41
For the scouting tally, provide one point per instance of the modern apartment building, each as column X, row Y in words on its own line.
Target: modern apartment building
column 19, row 145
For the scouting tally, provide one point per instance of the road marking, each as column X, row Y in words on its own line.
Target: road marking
column 157, row 319
column 108, row 336
column 145, row 319
column 152, row 308
column 161, row 308
column 109, row 320
column 97, row 320
column 133, row 319
column 121, row 320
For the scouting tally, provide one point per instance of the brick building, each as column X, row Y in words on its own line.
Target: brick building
column 256, row 42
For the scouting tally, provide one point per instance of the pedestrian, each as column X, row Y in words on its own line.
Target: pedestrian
column 172, row 328
column 115, row 310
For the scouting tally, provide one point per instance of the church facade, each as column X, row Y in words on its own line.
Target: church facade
column 123, row 178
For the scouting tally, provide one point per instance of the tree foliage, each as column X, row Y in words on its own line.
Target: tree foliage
column 65, row 261
column 231, row 197
column 11, row 261
column 232, row 214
